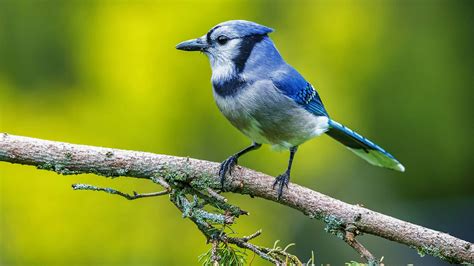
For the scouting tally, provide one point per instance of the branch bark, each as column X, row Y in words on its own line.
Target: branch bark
column 339, row 216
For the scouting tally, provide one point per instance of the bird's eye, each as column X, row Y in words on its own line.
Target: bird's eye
column 222, row 40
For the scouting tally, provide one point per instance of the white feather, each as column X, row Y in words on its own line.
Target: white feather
column 244, row 106
column 377, row 158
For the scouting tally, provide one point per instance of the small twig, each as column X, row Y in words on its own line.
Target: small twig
column 193, row 210
column 216, row 195
column 214, row 235
column 275, row 255
column 256, row 249
column 252, row 236
column 161, row 181
column 152, row 194
column 214, row 257
column 282, row 253
column 116, row 192
column 221, row 205
column 350, row 239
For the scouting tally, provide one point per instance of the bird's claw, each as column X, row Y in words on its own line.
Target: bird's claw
column 282, row 181
column 226, row 167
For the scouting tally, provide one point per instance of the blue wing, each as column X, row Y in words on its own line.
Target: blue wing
column 293, row 85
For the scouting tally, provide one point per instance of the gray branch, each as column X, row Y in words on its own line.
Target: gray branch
column 339, row 216
column 116, row 192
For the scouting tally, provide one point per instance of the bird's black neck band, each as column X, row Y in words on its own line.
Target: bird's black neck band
column 245, row 49
column 229, row 86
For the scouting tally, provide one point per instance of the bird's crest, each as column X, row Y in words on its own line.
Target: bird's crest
column 241, row 28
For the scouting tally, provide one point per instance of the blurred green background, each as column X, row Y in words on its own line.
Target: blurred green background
column 106, row 73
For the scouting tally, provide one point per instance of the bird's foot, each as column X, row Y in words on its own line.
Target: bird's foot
column 226, row 167
column 282, row 181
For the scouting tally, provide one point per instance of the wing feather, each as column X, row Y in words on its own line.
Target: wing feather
column 293, row 85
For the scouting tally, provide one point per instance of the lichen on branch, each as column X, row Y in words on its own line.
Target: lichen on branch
column 192, row 178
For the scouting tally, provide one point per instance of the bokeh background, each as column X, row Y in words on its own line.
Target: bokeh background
column 106, row 73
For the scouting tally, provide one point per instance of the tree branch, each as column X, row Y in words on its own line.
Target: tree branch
column 69, row 159
column 350, row 239
column 116, row 192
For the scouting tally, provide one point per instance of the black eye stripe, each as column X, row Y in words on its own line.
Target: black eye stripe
column 208, row 36
column 246, row 47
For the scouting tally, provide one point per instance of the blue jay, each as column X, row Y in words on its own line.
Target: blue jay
column 268, row 100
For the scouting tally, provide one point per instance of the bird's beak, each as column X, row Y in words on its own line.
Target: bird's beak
column 193, row 45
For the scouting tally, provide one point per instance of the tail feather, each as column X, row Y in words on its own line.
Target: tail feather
column 363, row 147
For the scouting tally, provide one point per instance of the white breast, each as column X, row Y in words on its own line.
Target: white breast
column 267, row 116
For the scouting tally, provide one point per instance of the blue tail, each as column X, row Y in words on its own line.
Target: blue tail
column 363, row 147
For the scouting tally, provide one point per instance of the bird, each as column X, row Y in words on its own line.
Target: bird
column 268, row 100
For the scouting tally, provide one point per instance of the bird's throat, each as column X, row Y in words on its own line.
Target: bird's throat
column 229, row 87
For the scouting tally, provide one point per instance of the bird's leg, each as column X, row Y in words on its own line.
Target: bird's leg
column 229, row 163
column 284, row 178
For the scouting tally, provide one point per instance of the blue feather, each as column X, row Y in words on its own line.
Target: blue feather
column 246, row 28
column 293, row 85
column 363, row 147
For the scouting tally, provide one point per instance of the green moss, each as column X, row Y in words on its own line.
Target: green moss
column 68, row 156
column 421, row 251
column 436, row 252
column 204, row 181
column 110, row 174
column 316, row 216
column 233, row 210
column 179, row 177
column 172, row 174
column 194, row 210
column 334, row 226
column 121, row 172
column 58, row 168
column 245, row 190
column 46, row 166
column 64, row 170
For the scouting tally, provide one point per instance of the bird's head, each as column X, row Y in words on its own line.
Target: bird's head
column 229, row 44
